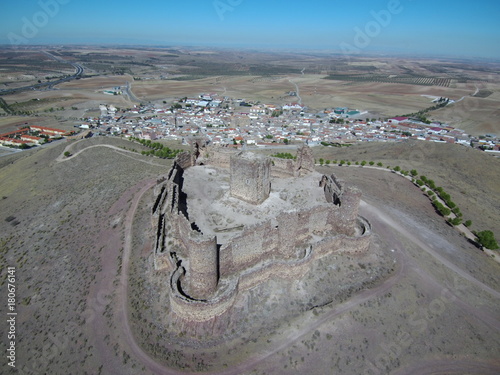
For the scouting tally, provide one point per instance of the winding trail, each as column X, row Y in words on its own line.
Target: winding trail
column 297, row 90
column 61, row 158
column 413, row 238
column 461, row 228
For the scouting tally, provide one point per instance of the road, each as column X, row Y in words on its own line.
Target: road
column 463, row 97
column 6, row 151
column 130, row 94
column 127, row 153
column 78, row 73
column 297, row 90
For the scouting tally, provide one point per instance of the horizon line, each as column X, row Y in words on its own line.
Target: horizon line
column 258, row 48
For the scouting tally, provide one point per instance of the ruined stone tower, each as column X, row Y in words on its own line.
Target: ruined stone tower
column 250, row 177
column 215, row 247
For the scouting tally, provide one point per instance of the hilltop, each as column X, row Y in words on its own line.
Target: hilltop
column 66, row 223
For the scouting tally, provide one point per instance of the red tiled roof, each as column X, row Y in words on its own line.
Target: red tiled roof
column 51, row 130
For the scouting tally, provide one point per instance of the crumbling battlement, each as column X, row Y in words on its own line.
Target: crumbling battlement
column 300, row 166
column 206, row 275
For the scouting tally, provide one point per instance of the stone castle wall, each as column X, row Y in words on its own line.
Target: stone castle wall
column 217, row 156
column 302, row 165
column 282, row 168
column 203, row 311
column 203, row 262
column 207, row 276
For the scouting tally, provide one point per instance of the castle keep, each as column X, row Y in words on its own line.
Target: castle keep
column 250, row 177
column 226, row 221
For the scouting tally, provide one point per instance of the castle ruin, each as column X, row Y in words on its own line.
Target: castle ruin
column 226, row 221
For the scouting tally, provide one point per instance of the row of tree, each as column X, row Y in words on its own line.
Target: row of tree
column 284, row 155
column 157, row 149
column 421, row 115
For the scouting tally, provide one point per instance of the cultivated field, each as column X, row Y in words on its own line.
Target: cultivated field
column 385, row 87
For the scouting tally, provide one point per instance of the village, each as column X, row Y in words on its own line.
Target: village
column 226, row 121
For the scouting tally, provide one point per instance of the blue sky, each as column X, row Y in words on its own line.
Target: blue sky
column 461, row 28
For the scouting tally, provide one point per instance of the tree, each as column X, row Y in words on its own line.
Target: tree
column 468, row 223
column 363, row 163
column 414, row 172
column 327, row 162
column 371, row 163
column 397, row 168
column 445, row 211
column 487, row 239
column 67, row 154
column 380, row 164
column 321, row 161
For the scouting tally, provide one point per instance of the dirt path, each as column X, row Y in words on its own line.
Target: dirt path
column 61, row 158
column 461, row 228
column 123, row 287
column 297, row 90
column 428, row 249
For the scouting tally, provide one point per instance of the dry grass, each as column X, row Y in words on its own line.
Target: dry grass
column 61, row 209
